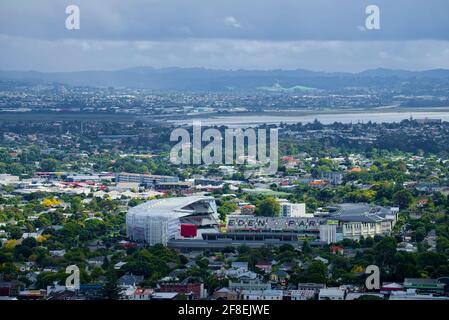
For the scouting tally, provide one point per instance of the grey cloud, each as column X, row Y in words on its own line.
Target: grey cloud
column 271, row 20
column 76, row 55
column 259, row 34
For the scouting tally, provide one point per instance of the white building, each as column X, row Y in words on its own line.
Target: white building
column 302, row 295
column 331, row 294
column 328, row 233
column 368, row 226
column 262, row 294
column 7, row 179
column 248, row 281
column 146, row 179
column 293, row 210
column 411, row 294
column 363, row 220
column 158, row 221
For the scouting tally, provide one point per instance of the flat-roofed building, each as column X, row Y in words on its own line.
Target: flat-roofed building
column 293, row 210
column 145, row 179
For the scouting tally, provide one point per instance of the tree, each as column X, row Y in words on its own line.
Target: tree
column 29, row 242
column 316, row 273
column 443, row 245
column 268, row 207
column 403, row 198
column 49, row 165
column 225, row 208
column 110, row 290
column 384, row 251
column 15, row 232
column 306, row 249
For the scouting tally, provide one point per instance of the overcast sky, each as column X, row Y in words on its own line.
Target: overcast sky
column 324, row 35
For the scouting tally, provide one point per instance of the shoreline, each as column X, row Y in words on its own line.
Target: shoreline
column 289, row 116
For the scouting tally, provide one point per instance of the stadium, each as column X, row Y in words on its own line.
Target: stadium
column 192, row 223
column 158, row 221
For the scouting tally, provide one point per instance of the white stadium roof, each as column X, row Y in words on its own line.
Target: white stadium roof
column 167, row 208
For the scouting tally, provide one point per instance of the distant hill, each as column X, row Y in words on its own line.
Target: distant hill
column 201, row 79
column 278, row 88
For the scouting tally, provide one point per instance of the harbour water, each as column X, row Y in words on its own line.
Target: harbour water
column 325, row 118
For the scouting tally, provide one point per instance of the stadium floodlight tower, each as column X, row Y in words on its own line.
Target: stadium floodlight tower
column 158, row 221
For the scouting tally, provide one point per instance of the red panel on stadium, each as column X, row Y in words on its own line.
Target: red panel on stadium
column 188, row 230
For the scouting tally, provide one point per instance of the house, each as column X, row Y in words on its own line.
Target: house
column 422, row 203
column 280, row 276
column 261, row 295
column 191, row 264
column 431, row 240
column 10, row 288
column 32, row 234
column 288, row 266
column 331, row 294
column 129, row 280
column 406, row 247
column 119, row 265
column 248, row 209
column 300, row 295
column 315, row 287
column 138, row 294
column 216, row 265
column 358, row 295
column 412, row 294
column 323, row 260
column 240, row 265
column 61, row 295
column 336, row 249
column 32, row 276
column 389, row 287
column 265, row 266
column 57, row 253
column 189, row 286
column 237, row 273
column 175, row 273
column 225, row 294
column 96, row 261
column 55, row 288
column 164, row 295
column 248, row 281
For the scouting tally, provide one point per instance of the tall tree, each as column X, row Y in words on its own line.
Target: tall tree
column 268, row 207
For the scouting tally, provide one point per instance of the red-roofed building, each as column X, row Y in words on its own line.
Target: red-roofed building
column 195, row 289
column 142, row 294
column 391, row 286
column 248, row 209
column 337, row 249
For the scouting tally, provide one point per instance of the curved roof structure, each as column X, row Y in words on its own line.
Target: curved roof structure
column 169, row 207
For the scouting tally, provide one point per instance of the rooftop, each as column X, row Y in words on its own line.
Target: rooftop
column 170, row 207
